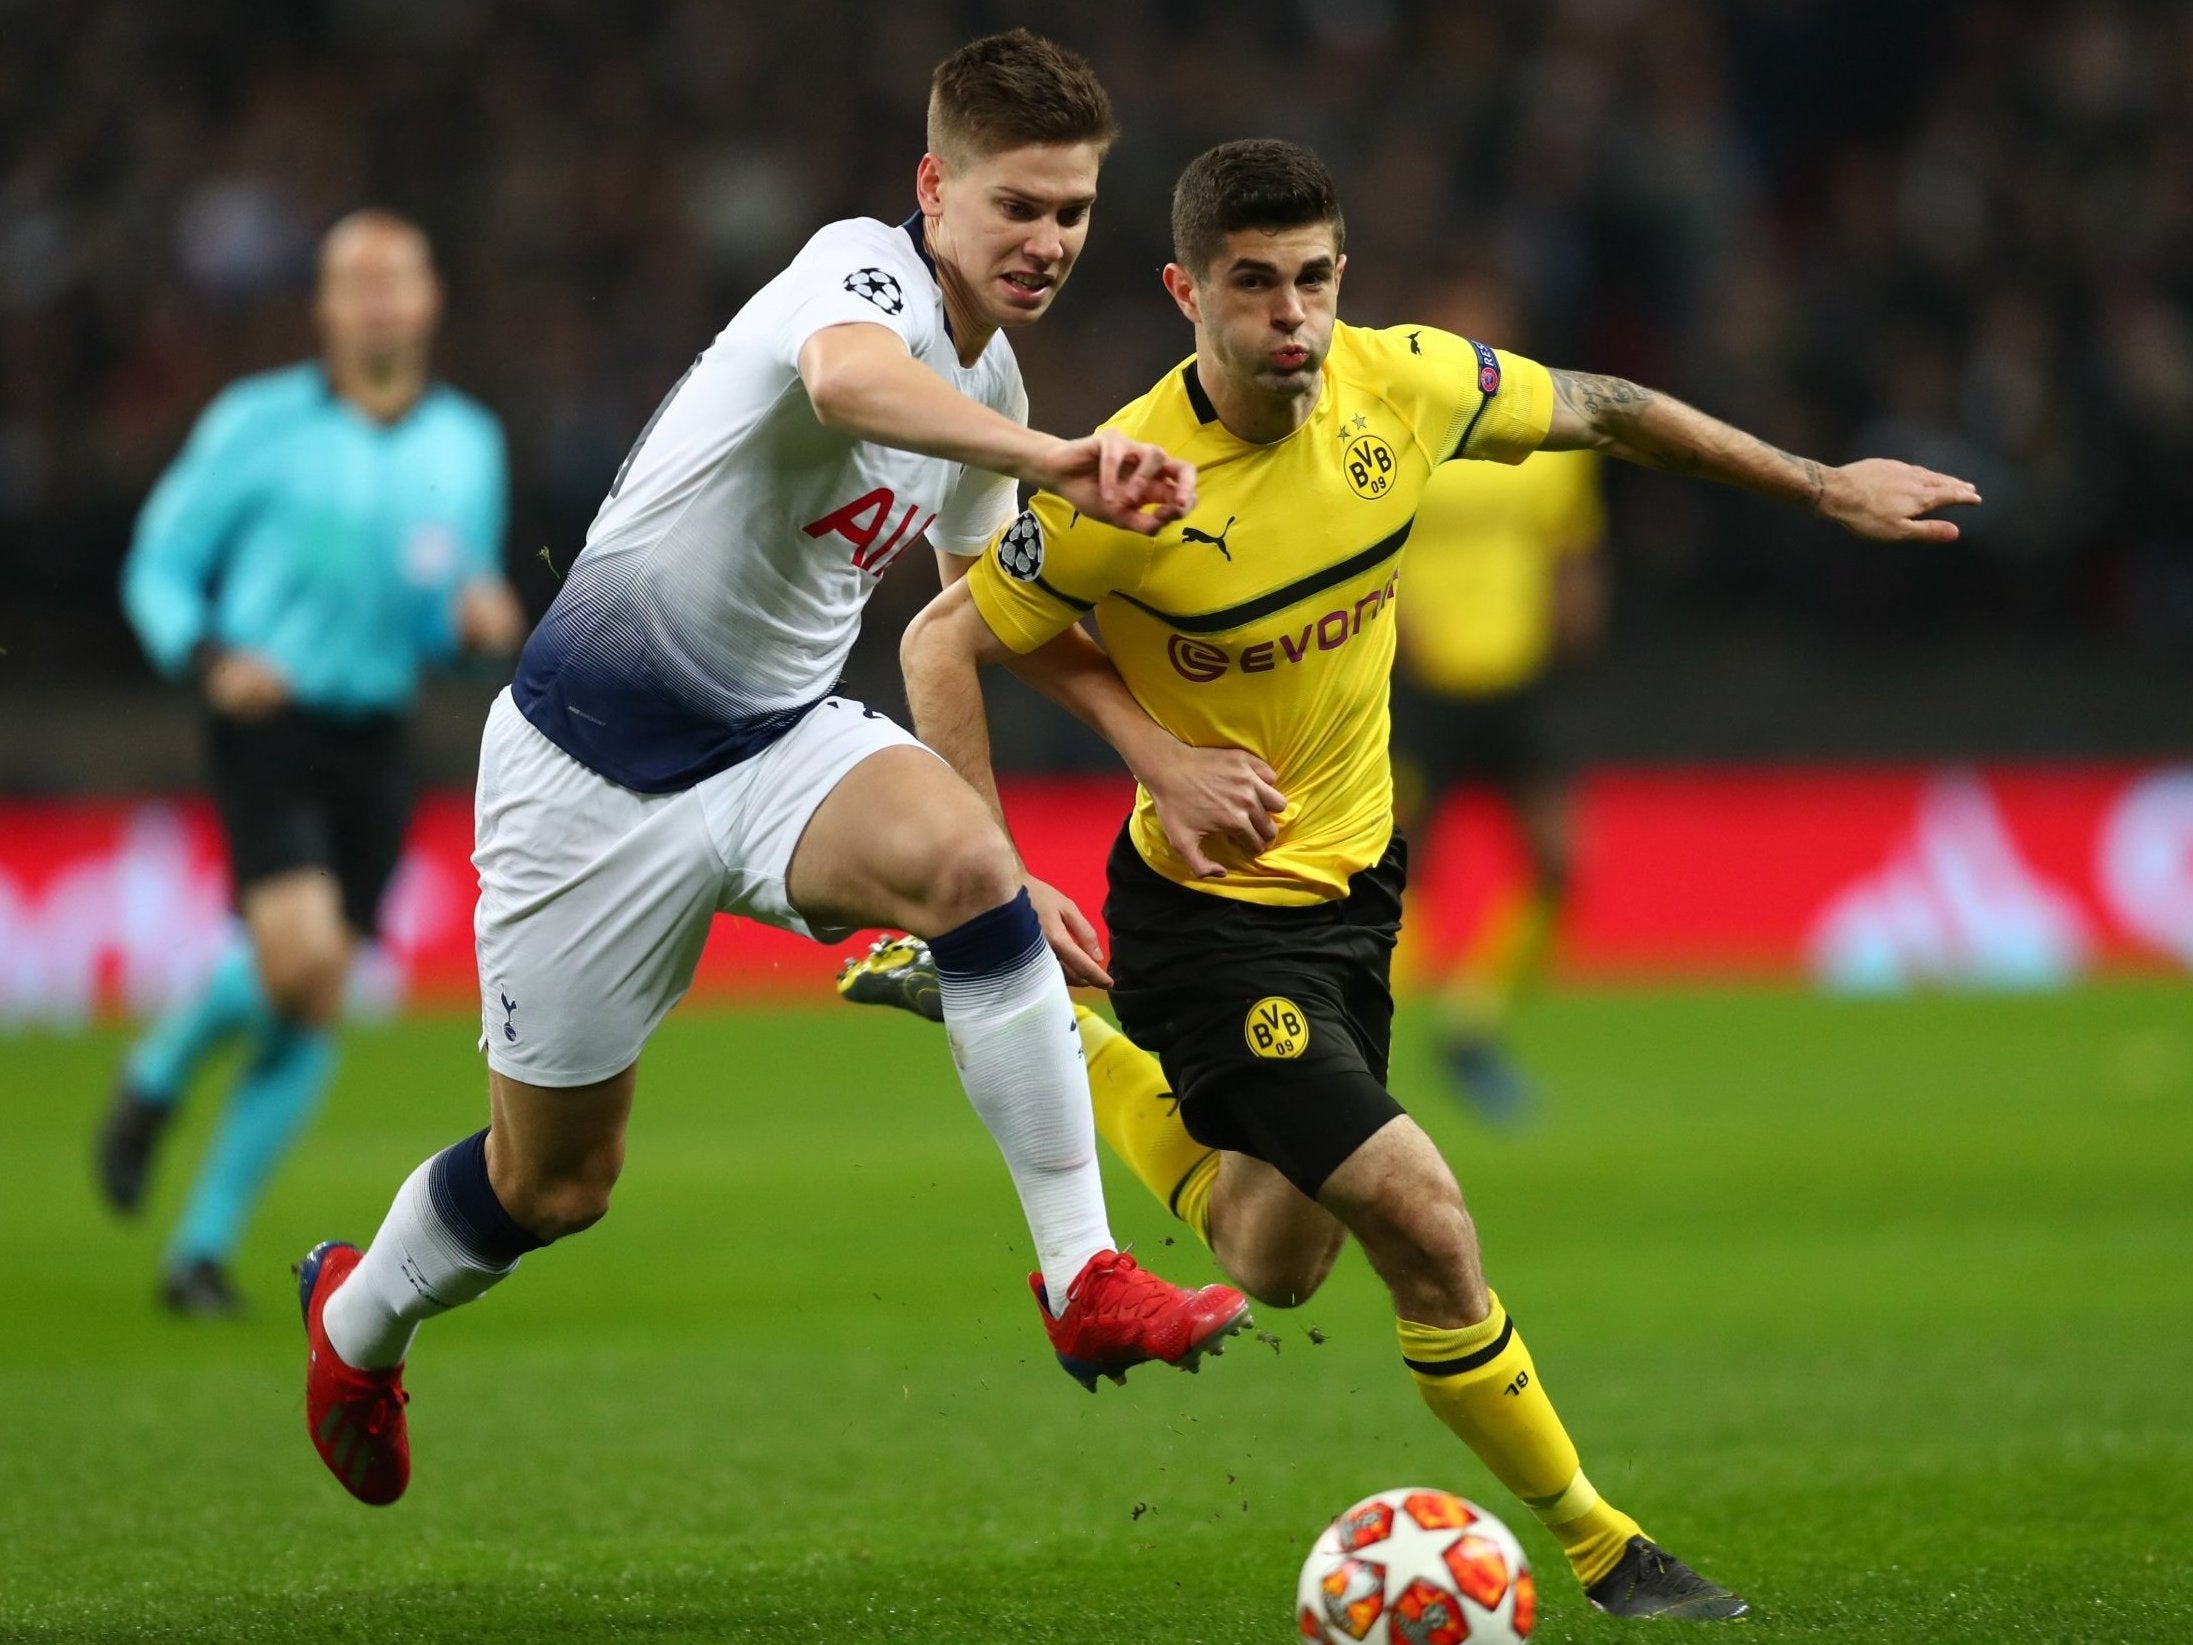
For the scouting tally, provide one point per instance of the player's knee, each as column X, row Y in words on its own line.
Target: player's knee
column 1421, row 1241
column 1286, row 1281
column 970, row 875
column 1437, row 1236
column 304, row 980
column 1430, row 1264
column 555, row 1198
column 556, row 1208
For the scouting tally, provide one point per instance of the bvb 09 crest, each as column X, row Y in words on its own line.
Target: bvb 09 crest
column 1370, row 465
column 1277, row 1028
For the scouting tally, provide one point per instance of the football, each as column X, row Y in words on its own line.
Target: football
column 1416, row 1566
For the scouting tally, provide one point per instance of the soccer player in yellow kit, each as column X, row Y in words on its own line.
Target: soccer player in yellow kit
column 1255, row 891
column 1506, row 583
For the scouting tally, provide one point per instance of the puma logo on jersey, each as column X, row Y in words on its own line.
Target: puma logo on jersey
column 1189, row 534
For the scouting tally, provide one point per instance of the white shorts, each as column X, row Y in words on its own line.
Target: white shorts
column 595, row 900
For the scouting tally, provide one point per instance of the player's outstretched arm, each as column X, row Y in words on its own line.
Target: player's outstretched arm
column 1877, row 497
column 862, row 382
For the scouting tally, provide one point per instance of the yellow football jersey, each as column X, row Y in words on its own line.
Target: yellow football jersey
column 1482, row 560
column 1264, row 621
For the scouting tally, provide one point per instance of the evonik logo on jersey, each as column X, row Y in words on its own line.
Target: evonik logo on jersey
column 1203, row 662
column 861, row 521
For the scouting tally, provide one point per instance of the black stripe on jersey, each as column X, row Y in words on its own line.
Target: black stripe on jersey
column 1198, row 401
column 1468, row 1362
column 1476, row 417
column 1064, row 598
column 1248, row 611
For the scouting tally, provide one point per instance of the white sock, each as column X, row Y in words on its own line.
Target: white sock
column 1018, row 1051
column 417, row 1266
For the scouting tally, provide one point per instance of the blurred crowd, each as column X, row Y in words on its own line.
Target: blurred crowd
column 1959, row 233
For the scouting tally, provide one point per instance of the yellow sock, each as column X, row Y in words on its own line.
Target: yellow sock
column 1192, row 1199
column 1136, row 1114
column 1479, row 1380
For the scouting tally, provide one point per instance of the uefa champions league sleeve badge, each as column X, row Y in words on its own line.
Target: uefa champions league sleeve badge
column 1020, row 550
column 877, row 287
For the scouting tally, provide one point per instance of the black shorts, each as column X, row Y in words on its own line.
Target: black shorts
column 300, row 790
column 1440, row 741
column 1273, row 1023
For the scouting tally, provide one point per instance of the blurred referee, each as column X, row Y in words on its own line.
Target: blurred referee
column 328, row 529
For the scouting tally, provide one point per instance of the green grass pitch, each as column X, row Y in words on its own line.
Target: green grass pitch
column 1878, row 1311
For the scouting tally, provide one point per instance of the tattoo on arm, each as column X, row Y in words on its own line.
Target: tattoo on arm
column 1614, row 408
column 1814, row 485
column 1591, row 397
column 1640, row 426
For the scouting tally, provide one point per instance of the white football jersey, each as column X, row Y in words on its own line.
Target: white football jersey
column 722, row 581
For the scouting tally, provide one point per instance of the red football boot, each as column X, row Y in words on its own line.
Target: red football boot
column 356, row 1418
column 1119, row 1314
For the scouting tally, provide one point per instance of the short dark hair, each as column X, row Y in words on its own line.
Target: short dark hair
column 1257, row 182
column 1007, row 90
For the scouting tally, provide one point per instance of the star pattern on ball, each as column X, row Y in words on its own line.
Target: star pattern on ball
column 878, row 287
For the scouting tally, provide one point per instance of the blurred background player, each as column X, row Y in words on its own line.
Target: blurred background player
column 1506, row 582
column 328, row 530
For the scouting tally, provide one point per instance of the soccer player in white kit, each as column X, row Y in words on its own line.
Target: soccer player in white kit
column 670, row 749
